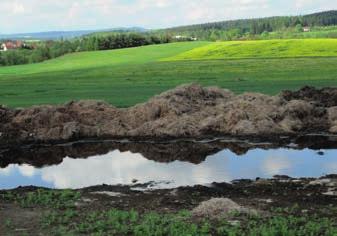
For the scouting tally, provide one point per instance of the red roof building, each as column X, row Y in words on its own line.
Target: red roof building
column 10, row 45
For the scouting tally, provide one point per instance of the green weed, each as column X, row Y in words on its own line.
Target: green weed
column 47, row 198
column 117, row 222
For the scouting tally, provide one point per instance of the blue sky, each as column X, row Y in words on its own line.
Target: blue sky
column 46, row 15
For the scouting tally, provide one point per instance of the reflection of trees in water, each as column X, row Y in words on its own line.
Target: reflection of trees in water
column 193, row 152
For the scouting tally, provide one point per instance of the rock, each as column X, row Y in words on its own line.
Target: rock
column 333, row 129
column 174, row 192
column 323, row 182
column 330, row 192
column 260, row 181
column 332, row 116
column 266, row 200
column 187, row 111
column 234, row 222
column 217, row 208
column 108, row 193
column 282, row 177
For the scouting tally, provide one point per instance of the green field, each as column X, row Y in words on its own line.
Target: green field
column 129, row 76
column 288, row 48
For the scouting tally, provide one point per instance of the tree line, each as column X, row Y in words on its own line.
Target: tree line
column 250, row 28
column 45, row 50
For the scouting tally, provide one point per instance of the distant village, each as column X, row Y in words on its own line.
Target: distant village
column 14, row 44
column 10, row 45
column 184, row 38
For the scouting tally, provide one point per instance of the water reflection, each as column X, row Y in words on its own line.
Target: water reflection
column 122, row 167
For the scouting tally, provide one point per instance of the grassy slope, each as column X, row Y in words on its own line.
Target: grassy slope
column 88, row 60
column 315, row 32
column 263, row 49
column 129, row 76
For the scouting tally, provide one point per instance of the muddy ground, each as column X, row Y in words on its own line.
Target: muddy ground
column 303, row 196
column 190, row 150
column 23, row 210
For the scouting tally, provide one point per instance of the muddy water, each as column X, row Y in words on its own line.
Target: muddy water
column 168, row 165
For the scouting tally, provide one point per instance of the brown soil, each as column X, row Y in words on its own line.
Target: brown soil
column 187, row 111
column 316, row 196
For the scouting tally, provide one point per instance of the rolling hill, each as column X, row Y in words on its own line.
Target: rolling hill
column 129, row 76
column 263, row 49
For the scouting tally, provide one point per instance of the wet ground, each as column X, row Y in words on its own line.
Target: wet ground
column 296, row 196
column 168, row 164
column 168, row 177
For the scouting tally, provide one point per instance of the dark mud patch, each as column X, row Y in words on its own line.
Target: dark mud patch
column 297, row 197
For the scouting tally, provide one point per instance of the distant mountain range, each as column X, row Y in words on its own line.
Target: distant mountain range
column 53, row 35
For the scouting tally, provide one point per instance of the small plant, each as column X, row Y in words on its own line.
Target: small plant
column 41, row 197
column 117, row 222
column 8, row 223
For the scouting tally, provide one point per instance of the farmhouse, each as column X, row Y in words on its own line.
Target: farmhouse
column 11, row 45
column 3, row 47
column 306, row 29
column 180, row 37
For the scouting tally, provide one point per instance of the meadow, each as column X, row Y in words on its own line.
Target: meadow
column 287, row 48
column 128, row 76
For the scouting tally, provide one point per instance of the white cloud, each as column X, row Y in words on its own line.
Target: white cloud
column 42, row 15
column 277, row 165
column 7, row 171
column 331, row 167
column 27, row 170
column 18, row 8
column 122, row 168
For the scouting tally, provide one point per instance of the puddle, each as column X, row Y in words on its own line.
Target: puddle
column 169, row 165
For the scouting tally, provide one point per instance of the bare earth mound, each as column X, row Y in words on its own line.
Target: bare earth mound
column 187, row 111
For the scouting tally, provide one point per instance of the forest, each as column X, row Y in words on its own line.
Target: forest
column 251, row 28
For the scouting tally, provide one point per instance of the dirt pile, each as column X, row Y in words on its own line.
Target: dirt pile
column 219, row 208
column 187, row 111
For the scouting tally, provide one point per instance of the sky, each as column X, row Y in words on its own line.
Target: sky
column 18, row 16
